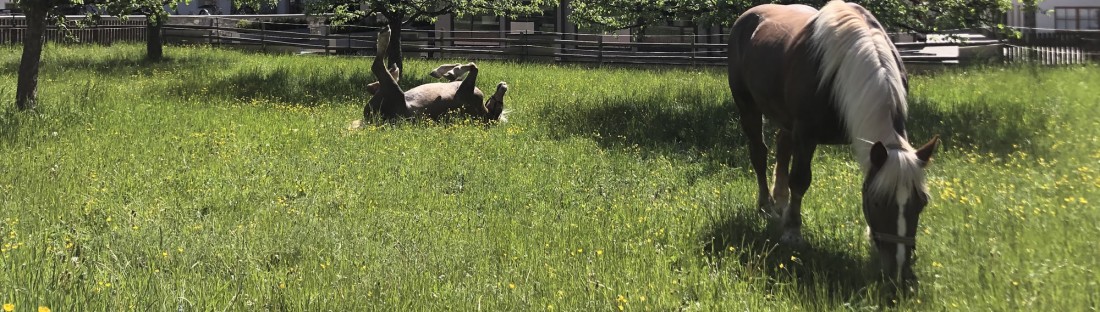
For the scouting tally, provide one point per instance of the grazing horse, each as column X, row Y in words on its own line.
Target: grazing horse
column 432, row 100
column 830, row 77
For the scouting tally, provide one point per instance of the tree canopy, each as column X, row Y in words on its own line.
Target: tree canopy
column 907, row 15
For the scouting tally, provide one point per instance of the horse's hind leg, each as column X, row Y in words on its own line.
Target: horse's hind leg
column 467, row 87
column 752, row 124
column 781, row 189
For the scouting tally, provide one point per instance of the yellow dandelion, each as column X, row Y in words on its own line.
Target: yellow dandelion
column 43, row 309
column 8, row 307
column 282, row 285
column 782, row 266
column 511, row 286
column 580, row 250
column 599, row 252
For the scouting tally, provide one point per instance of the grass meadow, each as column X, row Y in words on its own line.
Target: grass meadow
column 224, row 180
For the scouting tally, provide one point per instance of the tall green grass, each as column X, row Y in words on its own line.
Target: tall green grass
column 227, row 180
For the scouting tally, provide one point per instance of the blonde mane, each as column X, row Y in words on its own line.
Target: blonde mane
column 866, row 78
column 867, row 86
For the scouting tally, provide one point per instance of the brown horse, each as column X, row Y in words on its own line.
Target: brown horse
column 830, row 77
column 432, row 100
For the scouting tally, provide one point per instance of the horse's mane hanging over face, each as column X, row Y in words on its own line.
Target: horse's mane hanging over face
column 867, row 78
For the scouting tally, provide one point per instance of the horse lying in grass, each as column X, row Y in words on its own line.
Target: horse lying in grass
column 431, row 100
column 830, row 77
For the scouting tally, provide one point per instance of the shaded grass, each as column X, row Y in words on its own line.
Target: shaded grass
column 227, row 180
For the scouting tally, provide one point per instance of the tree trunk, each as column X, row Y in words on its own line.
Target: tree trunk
column 394, row 53
column 154, row 42
column 26, row 93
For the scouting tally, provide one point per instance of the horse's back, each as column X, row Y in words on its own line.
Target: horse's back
column 758, row 47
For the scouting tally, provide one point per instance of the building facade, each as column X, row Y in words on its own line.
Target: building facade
column 1055, row 15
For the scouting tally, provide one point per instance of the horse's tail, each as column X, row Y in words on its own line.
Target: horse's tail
column 740, row 35
column 740, row 39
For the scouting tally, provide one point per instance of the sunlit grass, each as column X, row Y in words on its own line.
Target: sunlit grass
column 221, row 179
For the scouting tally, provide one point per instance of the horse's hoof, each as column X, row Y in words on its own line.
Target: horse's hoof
column 779, row 207
column 770, row 214
column 442, row 70
column 792, row 237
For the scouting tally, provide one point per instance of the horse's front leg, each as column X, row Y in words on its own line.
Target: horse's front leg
column 803, row 153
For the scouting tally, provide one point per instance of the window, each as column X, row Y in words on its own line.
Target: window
column 1077, row 18
column 476, row 27
column 545, row 22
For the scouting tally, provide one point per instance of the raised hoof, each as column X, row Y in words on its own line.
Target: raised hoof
column 792, row 238
column 502, row 88
column 383, row 40
column 442, row 70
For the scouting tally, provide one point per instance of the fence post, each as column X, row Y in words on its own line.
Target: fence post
column 693, row 50
column 350, row 49
column 217, row 31
column 1032, row 51
column 263, row 36
column 432, row 44
column 523, row 41
column 599, row 50
column 95, row 33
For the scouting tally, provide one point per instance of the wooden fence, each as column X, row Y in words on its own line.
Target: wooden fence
column 707, row 50
column 1054, row 48
column 523, row 46
column 106, row 30
column 267, row 33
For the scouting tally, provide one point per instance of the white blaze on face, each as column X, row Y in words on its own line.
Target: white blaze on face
column 902, row 199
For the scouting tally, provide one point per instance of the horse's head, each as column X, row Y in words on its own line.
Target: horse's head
column 894, row 194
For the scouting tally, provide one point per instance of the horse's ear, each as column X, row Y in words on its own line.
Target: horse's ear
column 878, row 155
column 924, row 153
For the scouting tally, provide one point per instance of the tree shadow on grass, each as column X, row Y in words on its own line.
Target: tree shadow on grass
column 679, row 124
column 984, row 126
column 11, row 125
column 124, row 64
column 823, row 273
column 295, row 86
